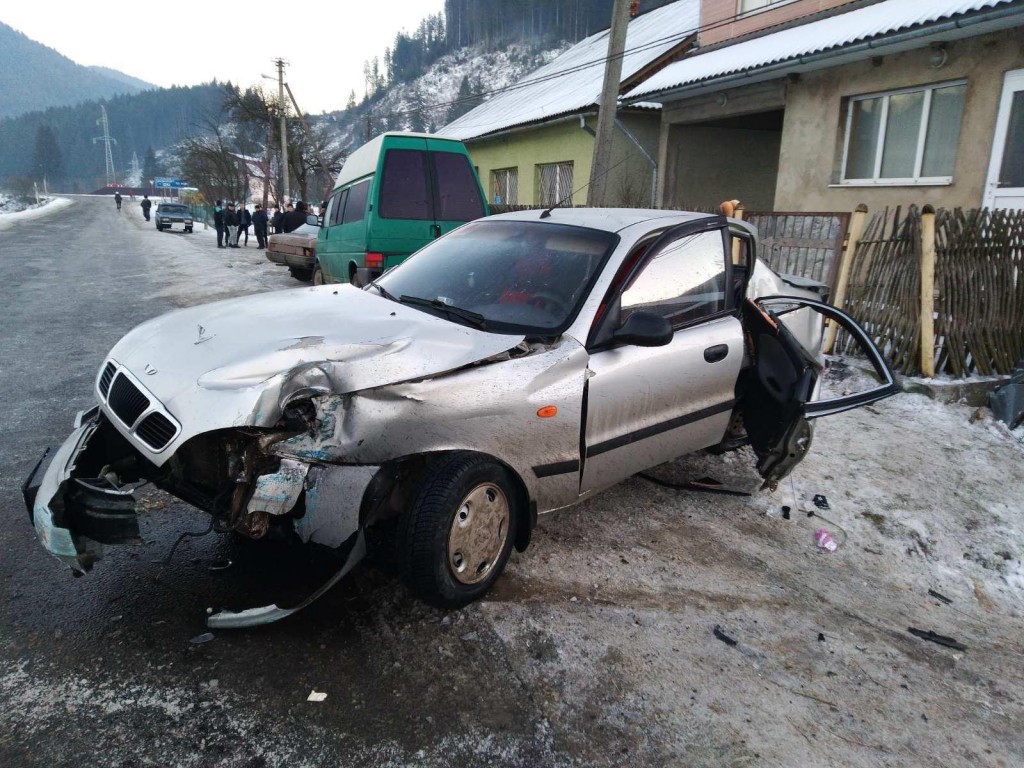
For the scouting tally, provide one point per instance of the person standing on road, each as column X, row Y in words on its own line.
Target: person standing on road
column 146, row 205
column 244, row 220
column 231, row 224
column 117, row 201
column 259, row 226
column 294, row 218
column 218, row 223
column 275, row 221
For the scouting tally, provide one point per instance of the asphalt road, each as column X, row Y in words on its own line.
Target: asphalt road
column 105, row 662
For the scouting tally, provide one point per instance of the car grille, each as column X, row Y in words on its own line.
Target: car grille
column 136, row 408
column 106, row 378
column 156, row 431
column 126, row 400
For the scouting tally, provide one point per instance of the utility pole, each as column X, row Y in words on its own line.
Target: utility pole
column 284, row 129
column 107, row 140
column 310, row 139
column 597, row 192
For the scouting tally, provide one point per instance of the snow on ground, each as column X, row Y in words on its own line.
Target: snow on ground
column 11, row 210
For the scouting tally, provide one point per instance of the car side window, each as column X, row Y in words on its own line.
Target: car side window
column 684, row 280
column 355, row 208
column 404, row 193
column 335, row 206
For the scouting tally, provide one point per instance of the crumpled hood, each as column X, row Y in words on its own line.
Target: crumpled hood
column 212, row 365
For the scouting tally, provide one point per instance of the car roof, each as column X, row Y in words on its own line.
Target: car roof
column 607, row 219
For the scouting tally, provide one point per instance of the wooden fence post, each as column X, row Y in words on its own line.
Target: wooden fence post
column 927, row 291
column 845, row 263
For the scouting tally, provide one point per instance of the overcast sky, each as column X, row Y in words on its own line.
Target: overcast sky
column 168, row 43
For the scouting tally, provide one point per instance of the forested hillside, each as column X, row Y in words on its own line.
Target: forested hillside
column 34, row 77
column 156, row 119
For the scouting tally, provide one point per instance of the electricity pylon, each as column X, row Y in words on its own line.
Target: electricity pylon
column 107, row 140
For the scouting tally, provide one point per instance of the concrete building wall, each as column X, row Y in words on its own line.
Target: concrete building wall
column 713, row 164
column 812, row 142
column 566, row 141
column 813, row 133
column 720, row 19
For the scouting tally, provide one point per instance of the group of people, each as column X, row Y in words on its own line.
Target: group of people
column 232, row 223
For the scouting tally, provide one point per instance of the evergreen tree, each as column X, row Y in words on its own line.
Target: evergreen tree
column 150, row 168
column 47, row 161
column 467, row 99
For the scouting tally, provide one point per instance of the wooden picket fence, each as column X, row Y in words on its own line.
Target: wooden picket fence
column 804, row 244
column 978, row 307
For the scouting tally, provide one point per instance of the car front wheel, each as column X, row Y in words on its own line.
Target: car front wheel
column 318, row 275
column 454, row 541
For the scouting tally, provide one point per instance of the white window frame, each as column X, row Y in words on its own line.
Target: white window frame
column 875, row 180
column 740, row 12
column 506, row 173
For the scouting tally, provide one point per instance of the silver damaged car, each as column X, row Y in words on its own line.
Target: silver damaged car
column 513, row 367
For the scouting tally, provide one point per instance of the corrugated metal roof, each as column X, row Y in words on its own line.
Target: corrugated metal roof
column 572, row 82
column 827, row 34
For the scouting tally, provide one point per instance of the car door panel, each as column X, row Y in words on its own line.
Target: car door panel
column 647, row 405
column 778, row 392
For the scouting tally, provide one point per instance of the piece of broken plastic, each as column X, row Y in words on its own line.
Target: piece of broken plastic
column 266, row 614
column 315, row 695
column 824, row 540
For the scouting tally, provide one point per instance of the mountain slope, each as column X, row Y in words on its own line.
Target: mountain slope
column 35, row 77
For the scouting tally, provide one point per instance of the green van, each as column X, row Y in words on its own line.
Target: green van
column 394, row 195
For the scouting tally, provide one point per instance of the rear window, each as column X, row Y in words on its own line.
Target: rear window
column 403, row 188
column 170, row 208
column 458, row 194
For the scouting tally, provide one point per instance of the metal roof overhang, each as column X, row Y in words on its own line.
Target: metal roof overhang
column 994, row 20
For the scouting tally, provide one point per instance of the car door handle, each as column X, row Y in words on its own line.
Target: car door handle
column 716, row 353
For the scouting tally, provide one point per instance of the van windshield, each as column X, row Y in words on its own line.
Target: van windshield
column 520, row 276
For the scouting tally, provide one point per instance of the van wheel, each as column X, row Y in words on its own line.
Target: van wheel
column 318, row 275
column 454, row 542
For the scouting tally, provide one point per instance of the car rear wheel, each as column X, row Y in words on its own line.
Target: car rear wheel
column 454, row 541
column 303, row 275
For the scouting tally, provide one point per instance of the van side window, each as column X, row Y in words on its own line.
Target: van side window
column 458, row 194
column 336, row 205
column 404, row 193
column 355, row 208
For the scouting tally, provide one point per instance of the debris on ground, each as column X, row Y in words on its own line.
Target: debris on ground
column 722, row 636
column 1007, row 402
column 203, row 638
column 315, row 695
column 933, row 637
column 820, row 501
column 824, row 540
column 940, row 597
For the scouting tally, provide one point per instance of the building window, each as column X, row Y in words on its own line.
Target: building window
column 904, row 137
column 555, row 183
column 749, row 6
column 505, row 186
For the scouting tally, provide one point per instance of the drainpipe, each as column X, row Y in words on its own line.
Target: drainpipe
column 647, row 155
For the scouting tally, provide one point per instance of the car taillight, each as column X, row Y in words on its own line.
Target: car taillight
column 375, row 260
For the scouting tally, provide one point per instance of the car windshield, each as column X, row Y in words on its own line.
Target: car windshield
column 169, row 208
column 524, row 277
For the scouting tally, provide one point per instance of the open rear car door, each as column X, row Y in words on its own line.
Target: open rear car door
column 781, row 394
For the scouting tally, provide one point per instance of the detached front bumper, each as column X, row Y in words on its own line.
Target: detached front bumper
column 75, row 510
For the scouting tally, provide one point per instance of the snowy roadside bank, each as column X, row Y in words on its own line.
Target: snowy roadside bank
column 8, row 220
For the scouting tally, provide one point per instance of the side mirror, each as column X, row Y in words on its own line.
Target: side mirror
column 313, row 220
column 644, row 329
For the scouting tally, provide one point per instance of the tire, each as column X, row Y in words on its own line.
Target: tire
column 455, row 539
column 318, row 275
column 302, row 275
column 159, row 228
column 188, row 230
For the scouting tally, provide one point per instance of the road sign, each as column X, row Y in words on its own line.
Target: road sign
column 167, row 183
